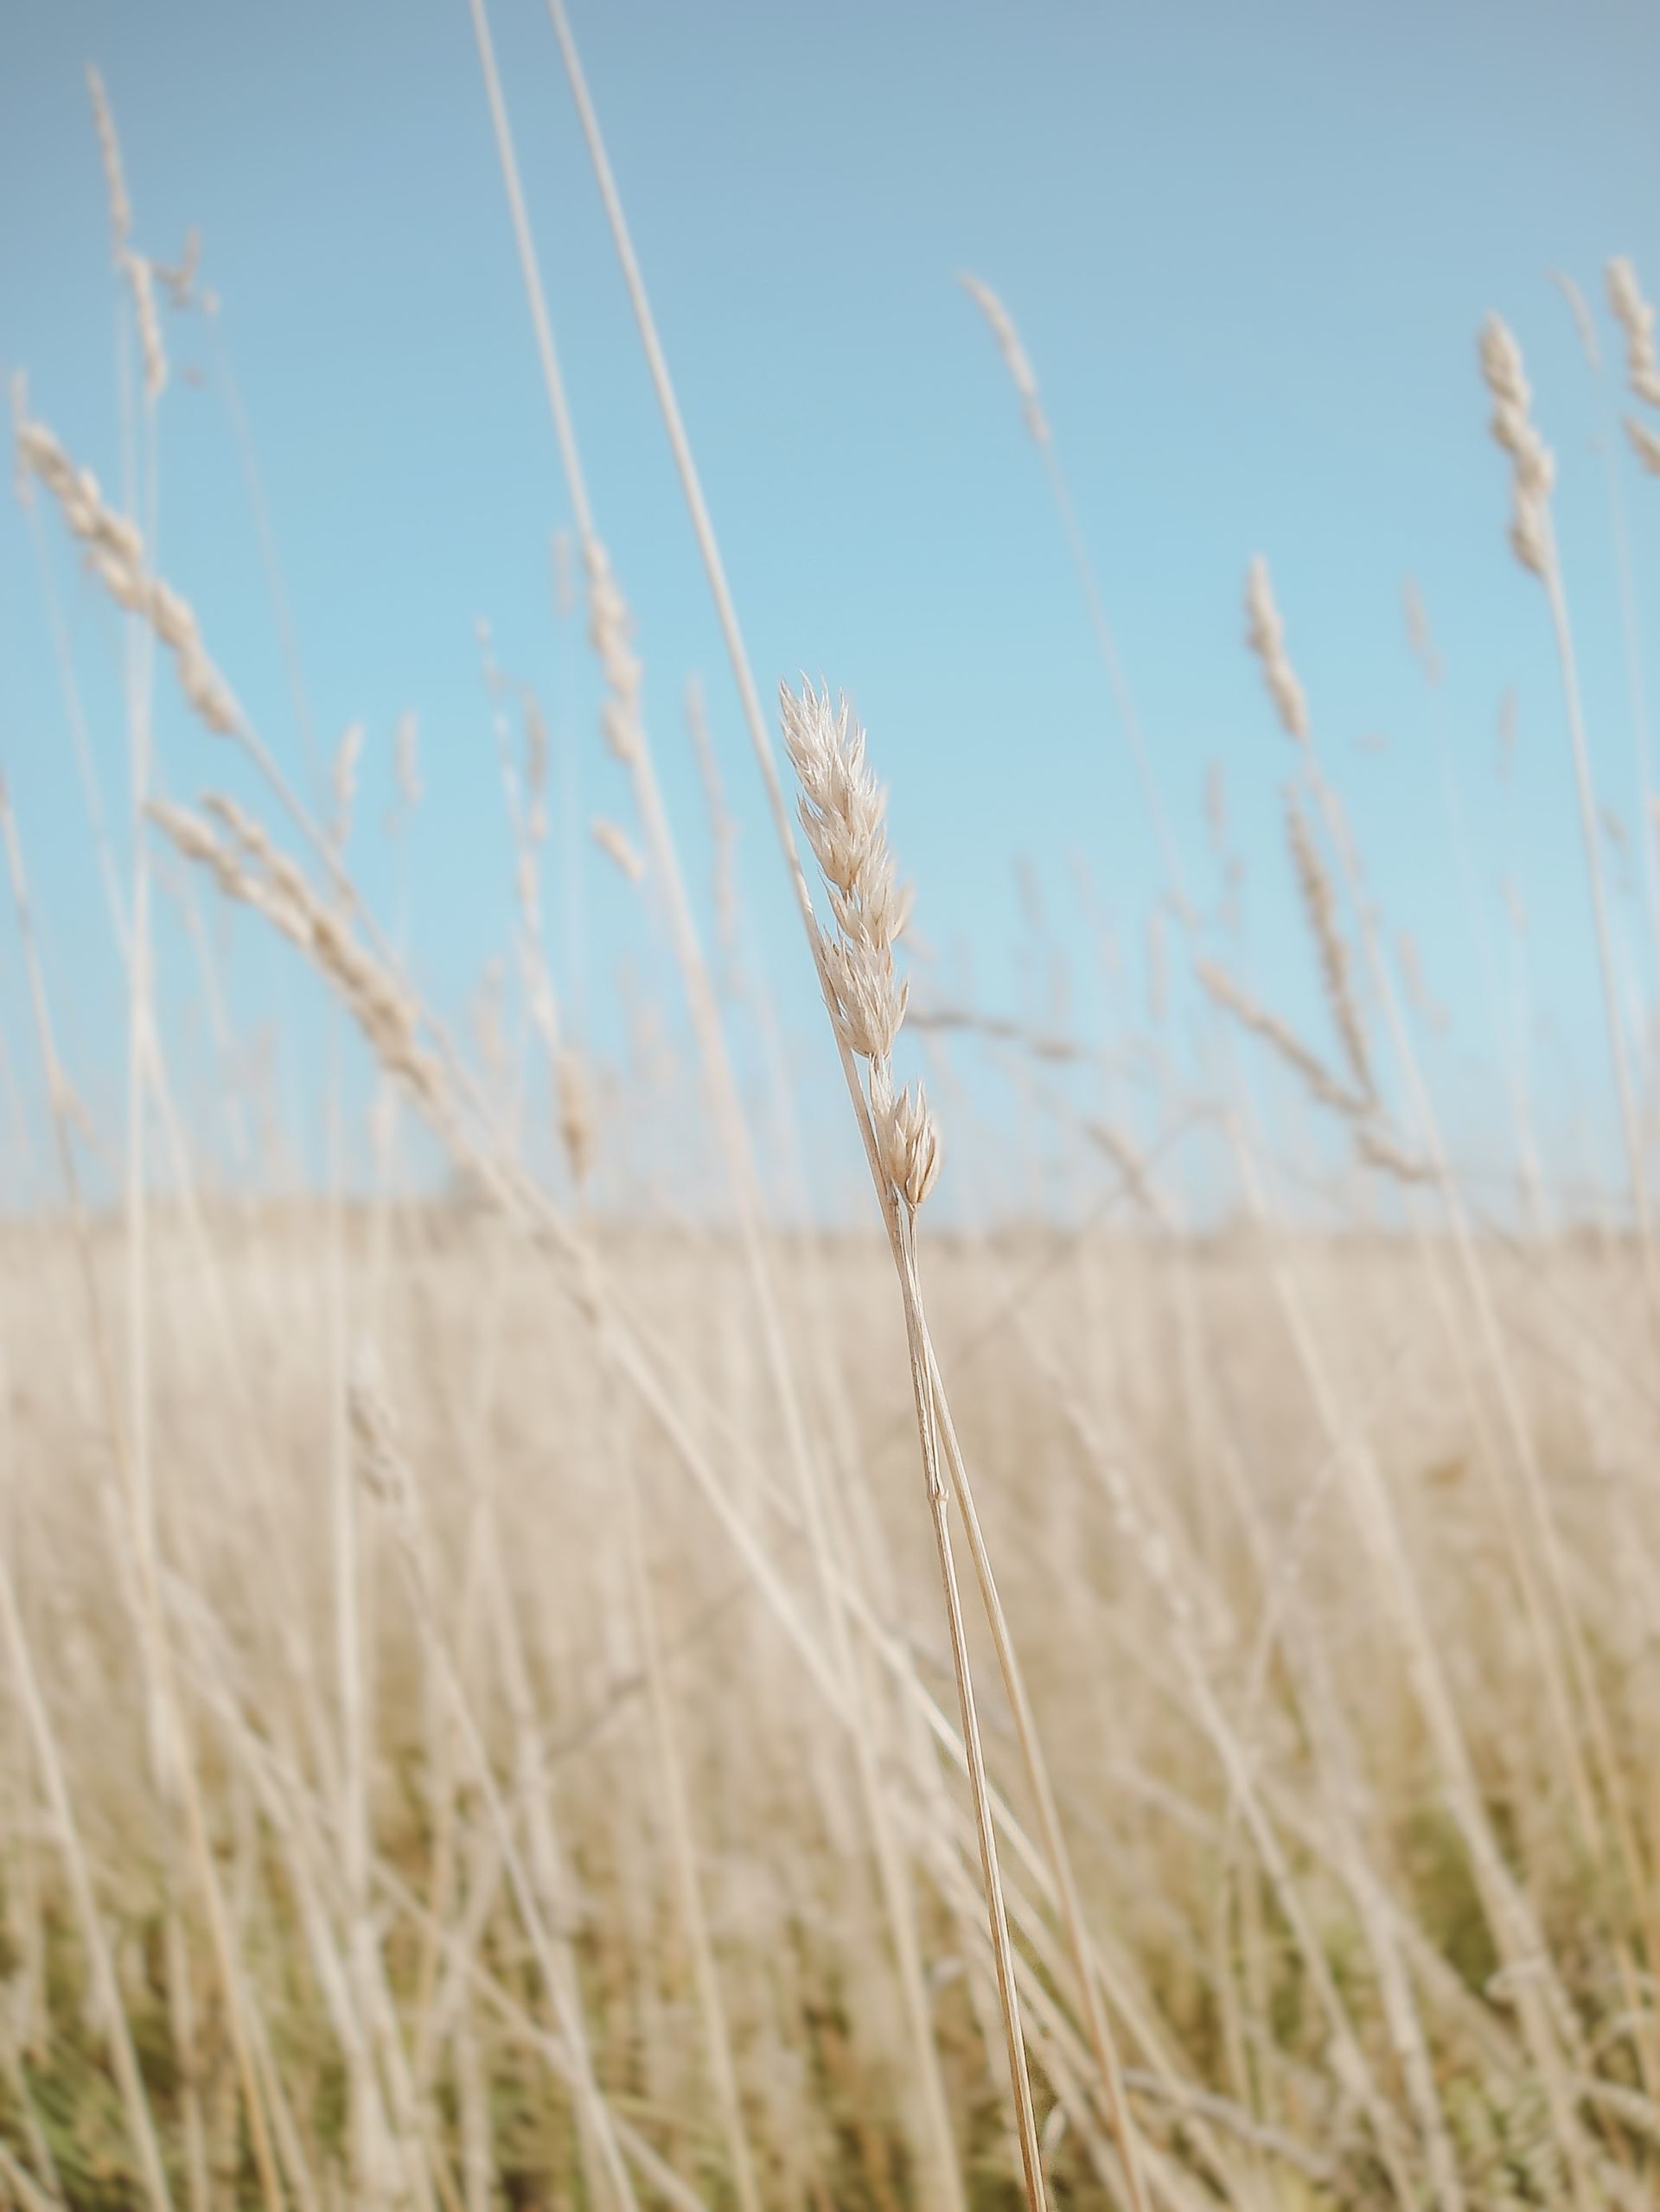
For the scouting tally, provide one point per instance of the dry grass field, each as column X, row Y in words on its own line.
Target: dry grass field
column 584, row 1685
column 1262, row 1535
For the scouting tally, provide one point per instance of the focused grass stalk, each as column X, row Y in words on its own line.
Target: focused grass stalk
column 842, row 811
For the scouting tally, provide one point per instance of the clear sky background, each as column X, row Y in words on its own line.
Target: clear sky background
column 1249, row 250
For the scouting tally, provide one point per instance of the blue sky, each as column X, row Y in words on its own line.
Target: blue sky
column 1249, row 251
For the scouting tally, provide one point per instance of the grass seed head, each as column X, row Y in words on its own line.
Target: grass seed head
column 1635, row 318
column 610, row 629
column 909, row 1141
column 1533, row 470
column 141, row 275
column 1022, row 376
column 109, row 148
column 1265, row 635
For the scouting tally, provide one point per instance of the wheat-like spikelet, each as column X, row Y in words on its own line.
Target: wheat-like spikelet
column 140, row 274
column 1644, row 443
column 1320, row 908
column 1635, row 318
column 116, row 552
column 908, row 1139
column 1015, row 358
column 610, row 629
column 249, row 867
column 109, row 537
column 614, row 842
column 1532, row 469
column 139, row 271
column 1265, row 633
column 192, row 838
column 109, row 147
column 843, row 810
